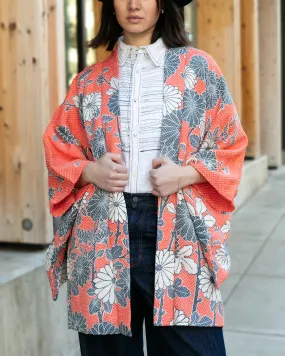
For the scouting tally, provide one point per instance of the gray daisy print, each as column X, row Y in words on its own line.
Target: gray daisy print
column 98, row 143
column 212, row 89
column 200, row 66
column 194, row 107
column 98, row 205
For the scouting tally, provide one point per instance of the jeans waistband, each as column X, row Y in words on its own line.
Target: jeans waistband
column 141, row 201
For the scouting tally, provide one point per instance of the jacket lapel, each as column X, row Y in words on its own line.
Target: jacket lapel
column 172, row 104
column 110, row 103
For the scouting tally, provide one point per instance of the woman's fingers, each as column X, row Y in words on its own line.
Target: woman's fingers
column 119, row 183
column 115, row 157
column 155, row 192
column 117, row 189
column 121, row 169
column 119, row 176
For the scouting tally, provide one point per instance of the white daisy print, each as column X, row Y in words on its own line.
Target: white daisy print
column 91, row 106
column 76, row 101
column 207, row 285
column 193, row 160
column 223, row 258
column 190, row 78
column 191, row 209
column 114, row 86
column 226, row 228
column 200, row 207
column 208, row 144
column 164, row 269
column 49, row 257
column 105, row 283
column 172, row 99
column 69, row 268
column 202, row 125
column 117, row 208
column 171, row 208
column 209, row 220
column 182, row 258
column 85, row 197
column 179, row 318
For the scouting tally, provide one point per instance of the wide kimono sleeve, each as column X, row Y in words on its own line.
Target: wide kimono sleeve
column 66, row 152
column 221, row 152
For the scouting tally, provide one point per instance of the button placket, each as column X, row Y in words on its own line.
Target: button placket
column 135, row 122
column 149, row 100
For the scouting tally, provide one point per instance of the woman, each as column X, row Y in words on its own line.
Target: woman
column 144, row 156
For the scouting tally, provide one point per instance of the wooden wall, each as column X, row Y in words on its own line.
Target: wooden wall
column 250, row 75
column 56, row 53
column 218, row 33
column 270, row 80
column 30, row 86
column 244, row 36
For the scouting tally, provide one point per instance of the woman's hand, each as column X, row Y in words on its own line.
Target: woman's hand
column 108, row 173
column 167, row 177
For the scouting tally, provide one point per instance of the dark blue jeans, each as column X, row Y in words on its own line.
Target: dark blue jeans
column 172, row 340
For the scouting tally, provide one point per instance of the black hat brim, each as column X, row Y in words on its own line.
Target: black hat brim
column 180, row 3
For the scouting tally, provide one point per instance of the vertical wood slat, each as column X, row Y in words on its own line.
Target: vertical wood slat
column 250, row 75
column 3, row 40
column 11, row 215
column 56, row 52
column 25, row 83
column 270, row 80
column 57, row 78
column 218, row 33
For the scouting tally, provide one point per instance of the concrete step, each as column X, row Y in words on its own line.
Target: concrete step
column 31, row 324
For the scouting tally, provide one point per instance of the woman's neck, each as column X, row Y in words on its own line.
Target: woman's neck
column 138, row 39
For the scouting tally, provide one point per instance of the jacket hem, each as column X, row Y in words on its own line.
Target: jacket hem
column 117, row 331
column 198, row 325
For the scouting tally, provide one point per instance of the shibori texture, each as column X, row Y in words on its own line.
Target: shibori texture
column 90, row 249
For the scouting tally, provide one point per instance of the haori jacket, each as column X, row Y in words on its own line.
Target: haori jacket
column 90, row 249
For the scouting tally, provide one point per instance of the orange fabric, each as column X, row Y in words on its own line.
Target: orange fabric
column 91, row 247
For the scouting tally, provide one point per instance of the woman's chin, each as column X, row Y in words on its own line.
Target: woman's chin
column 135, row 28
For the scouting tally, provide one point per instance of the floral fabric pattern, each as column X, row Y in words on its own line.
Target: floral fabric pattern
column 90, row 250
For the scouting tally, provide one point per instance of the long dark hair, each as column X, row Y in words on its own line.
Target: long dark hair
column 170, row 26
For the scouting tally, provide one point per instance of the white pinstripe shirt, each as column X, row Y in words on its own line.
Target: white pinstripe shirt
column 141, row 73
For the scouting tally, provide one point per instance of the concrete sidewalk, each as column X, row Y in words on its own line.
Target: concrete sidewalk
column 254, row 293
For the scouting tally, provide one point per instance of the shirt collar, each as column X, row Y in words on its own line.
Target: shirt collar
column 155, row 50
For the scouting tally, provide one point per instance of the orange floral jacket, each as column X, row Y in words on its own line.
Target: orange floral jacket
column 90, row 249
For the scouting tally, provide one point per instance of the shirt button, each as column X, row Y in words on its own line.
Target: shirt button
column 135, row 134
column 135, row 100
